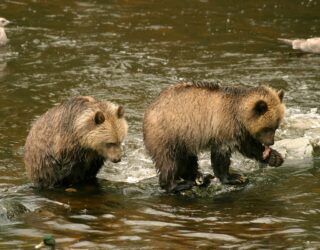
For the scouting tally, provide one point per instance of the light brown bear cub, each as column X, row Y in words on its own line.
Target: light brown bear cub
column 70, row 142
column 189, row 117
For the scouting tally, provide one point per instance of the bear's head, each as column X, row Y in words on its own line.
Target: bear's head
column 102, row 127
column 261, row 112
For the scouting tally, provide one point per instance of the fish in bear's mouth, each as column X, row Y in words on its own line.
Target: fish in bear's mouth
column 266, row 152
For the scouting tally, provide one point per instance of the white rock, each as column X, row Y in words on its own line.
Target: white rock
column 298, row 148
column 314, row 137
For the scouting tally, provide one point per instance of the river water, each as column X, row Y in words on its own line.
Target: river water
column 126, row 52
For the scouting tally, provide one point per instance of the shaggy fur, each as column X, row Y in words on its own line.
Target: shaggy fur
column 70, row 142
column 189, row 117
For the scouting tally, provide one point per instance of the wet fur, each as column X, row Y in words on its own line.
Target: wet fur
column 189, row 117
column 62, row 147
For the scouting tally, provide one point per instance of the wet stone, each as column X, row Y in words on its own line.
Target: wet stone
column 11, row 210
column 298, row 148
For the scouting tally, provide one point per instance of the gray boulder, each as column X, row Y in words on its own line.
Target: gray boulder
column 11, row 209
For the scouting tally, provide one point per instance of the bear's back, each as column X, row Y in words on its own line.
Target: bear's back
column 192, row 113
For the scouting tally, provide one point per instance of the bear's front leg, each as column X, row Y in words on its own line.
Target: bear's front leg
column 253, row 149
column 273, row 158
column 220, row 161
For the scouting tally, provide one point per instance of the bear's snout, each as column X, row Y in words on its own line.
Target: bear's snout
column 116, row 160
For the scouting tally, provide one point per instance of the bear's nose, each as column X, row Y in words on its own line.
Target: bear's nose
column 116, row 160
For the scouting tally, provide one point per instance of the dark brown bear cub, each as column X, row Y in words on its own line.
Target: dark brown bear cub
column 70, row 142
column 189, row 117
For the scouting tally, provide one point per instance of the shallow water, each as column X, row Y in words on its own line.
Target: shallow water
column 126, row 52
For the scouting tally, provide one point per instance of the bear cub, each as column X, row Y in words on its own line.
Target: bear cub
column 70, row 142
column 189, row 117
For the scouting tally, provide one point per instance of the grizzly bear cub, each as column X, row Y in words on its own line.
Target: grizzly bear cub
column 189, row 117
column 70, row 142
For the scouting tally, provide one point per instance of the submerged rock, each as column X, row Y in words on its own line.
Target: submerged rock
column 11, row 210
column 214, row 188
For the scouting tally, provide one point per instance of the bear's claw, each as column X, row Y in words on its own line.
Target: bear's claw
column 235, row 179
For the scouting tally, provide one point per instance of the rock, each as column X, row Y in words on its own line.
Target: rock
column 11, row 210
column 298, row 148
column 315, row 142
column 299, row 136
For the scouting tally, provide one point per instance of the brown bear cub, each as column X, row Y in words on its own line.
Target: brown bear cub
column 189, row 117
column 70, row 142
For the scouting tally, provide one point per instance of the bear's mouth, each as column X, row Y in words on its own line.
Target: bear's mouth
column 266, row 152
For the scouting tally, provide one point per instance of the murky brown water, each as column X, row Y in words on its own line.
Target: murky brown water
column 126, row 52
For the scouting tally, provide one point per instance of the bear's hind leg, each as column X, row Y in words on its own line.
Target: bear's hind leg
column 178, row 174
column 167, row 168
column 187, row 171
column 220, row 162
column 187, row 167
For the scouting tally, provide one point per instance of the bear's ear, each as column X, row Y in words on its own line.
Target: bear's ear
column 281, row 95
column 120, row 112
column 260, row 107
column 99, row 118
